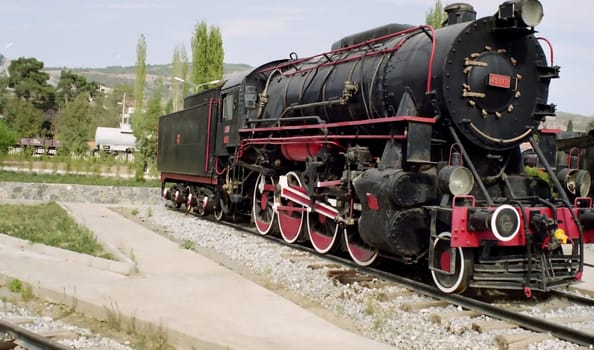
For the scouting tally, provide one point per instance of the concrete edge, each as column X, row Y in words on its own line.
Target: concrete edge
column 111, row 313
column 123, row 268
column 583, row 290
column 110, row 248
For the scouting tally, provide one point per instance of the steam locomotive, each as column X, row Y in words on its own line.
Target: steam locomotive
column 401, row 142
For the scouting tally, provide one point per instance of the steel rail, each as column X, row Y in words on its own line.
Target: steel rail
column 28, row 339
column 522, row 320
column 573, row 297
column 525, row 321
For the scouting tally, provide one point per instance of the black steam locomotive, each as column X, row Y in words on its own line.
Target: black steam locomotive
column 401, row 141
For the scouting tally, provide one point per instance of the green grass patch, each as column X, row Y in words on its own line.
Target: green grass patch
column 15, row 286
column 11, row 176
column 48, row 224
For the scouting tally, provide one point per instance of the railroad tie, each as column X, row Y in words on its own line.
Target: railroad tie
column 486, row 326
column 443, row 317
column 413, row 307
column 520, row 341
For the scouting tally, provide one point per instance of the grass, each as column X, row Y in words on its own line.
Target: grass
column 188, row 244
column 77, row 171
column 16, row 286
column 48, row 224
column 10, row 176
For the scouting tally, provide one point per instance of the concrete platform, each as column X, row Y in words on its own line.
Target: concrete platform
column 194, row 301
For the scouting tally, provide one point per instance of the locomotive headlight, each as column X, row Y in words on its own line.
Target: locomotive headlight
column 505, row 223
column 583, row 181
column 455, row 180
column 575, row 182
column 531, row 12
column 528, row 12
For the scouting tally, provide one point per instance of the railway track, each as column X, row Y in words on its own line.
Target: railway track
column 13, row 336
column 536, row 325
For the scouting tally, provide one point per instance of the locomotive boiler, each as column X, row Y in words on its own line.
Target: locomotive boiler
column 400, row 142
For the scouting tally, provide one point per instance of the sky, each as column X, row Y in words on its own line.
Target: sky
column 101, row 33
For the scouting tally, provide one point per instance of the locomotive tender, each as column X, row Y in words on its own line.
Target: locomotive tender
column 401, row 141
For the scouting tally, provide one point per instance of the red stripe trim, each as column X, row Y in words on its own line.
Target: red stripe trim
column 303, row 199
column 329, row 183
column 210, row 108
column 430, row 67
column 188, row 178
column 550, row 131
column 365, row 43
column 343, row 124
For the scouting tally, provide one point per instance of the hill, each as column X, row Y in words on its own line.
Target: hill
column 118, row 75
column 580, row 122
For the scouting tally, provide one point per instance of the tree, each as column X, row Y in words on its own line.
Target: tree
column 145, row 131
column 207, row 54
column 73, row 127
column 72, row 84
column 215, row 54
column 140, row 73
column 23, row 117
column 569, row 125
column 436, row 16
column 179, row 69
column 4, row 92
column 185, row 68
column 8, row 137
column 200, row 54
column 107, row 109
column 31, row 84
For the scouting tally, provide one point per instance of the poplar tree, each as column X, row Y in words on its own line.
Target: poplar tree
column 207, row 54
column 436, row 16
column 145, row 131
column 215, row 54
column 138, row 123
column 140, row 74
column 200, row 54
column 178, row 89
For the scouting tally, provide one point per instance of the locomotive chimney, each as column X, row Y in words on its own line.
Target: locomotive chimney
column 459, row 13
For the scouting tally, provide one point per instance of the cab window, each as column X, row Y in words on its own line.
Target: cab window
column 228, row 107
